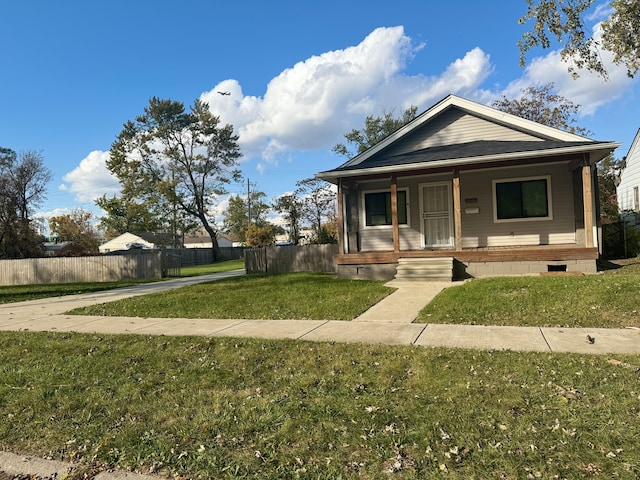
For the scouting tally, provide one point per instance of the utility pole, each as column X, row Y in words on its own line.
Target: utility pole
column 248, row 203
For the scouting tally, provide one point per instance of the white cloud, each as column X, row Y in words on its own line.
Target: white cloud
column 43, row 218
column 310, row 105
column 56, row 212
column 91, row 178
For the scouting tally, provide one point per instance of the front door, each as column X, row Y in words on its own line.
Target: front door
column 436, row 213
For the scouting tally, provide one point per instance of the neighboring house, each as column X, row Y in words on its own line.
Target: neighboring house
column 473, row 187
column 62, row 249
column 204, row 241
column 131, row 241
column 628, row 191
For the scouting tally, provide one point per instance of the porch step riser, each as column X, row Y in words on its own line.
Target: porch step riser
column 425, row 269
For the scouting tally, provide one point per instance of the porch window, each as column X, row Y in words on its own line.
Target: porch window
column 377, row 207
column 522, row 199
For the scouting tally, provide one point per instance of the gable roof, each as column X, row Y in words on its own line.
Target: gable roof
column 528, row 139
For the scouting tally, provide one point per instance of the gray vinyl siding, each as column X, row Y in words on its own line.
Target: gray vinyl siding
column 480, row 230
column 453, row 127
column 381, row 238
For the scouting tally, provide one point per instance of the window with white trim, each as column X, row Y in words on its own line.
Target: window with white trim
column 377, row 208
column 522, row 199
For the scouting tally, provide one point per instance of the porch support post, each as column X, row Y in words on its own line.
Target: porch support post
column 587, row 200
column 394, row 214
column 341, row 239
column 457, row 215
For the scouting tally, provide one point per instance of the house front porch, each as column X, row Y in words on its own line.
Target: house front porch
column 473, row 262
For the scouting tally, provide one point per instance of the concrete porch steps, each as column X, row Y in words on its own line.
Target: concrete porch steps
column 425, row 269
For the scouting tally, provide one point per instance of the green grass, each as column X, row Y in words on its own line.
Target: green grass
column 288, row 296
column 608, row 300
column 229, row 408
column 19, row 293
column 217, row 267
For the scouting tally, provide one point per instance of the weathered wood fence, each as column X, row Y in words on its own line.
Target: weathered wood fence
column 307, row 258
column 203, row 256
column 133, row 264
column 108, row 268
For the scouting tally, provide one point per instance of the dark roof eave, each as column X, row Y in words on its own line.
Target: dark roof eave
column 604, row 148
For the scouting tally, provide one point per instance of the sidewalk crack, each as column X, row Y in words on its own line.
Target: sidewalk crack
column 545, row 339
column 420, row 334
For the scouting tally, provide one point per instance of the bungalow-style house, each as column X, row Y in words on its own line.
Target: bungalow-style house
column 628, row 190
column 465, row 190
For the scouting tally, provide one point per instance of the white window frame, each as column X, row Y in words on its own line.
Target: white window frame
column 525, row 219
column 363, row 211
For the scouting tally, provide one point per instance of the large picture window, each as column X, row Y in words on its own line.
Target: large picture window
column 522, row 199
column 377, row 207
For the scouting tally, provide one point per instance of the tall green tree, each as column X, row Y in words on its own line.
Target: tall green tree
column 123, row 215
column 608, row 173
column 236, row 216
column 539, row 104
column 186, row 157
column 318, row 205
column 79, row 227
column 290, row 206
column 375, row 129
column 23, row 184
column 564, row 20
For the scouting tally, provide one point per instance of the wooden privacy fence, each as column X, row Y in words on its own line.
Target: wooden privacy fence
column 109, row 268
column 307, row 258
column 203, row 256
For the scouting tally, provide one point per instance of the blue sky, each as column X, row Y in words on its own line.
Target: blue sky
column 300, row 73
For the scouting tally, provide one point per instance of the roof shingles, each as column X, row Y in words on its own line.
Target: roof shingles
column 480, row 148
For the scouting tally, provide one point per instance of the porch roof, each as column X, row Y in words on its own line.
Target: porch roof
column 470, row 153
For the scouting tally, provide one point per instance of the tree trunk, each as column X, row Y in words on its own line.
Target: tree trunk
column 215, row 248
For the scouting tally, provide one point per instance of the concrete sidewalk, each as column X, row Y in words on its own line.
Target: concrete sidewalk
column 388, row 322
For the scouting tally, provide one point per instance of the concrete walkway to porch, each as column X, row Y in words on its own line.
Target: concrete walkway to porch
column 403, row 305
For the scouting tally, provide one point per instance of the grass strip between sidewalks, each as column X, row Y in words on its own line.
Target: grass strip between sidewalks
column 261, row 409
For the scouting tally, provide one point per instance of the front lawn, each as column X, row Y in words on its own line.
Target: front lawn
column 312, row 296
column 230, row 408
column 607, row 300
